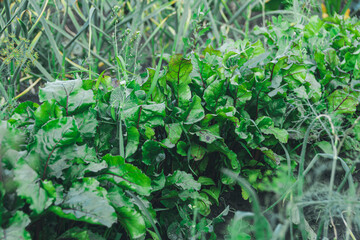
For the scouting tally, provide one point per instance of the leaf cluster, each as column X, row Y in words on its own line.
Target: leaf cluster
column 144, row 157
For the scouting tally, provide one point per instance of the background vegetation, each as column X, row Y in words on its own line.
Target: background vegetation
column 179, row 119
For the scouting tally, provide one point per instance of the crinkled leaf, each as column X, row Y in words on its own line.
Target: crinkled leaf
column 45, row 112
column 68, row 94
column 28, row 188
column 183, row 180
column 87, row 202
column 16, row 228
column 280, row 134
column 341, row 101
column 128, row 216
column 152, row 115
column 87, row 123
column 126, row 176
column 179, row 71
column 51, row 144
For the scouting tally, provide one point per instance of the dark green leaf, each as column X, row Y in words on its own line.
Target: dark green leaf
column 128, row 216
column 195, row 112
column 152, row 152
column 86, row 202
column 133, row 136
column 126, row 175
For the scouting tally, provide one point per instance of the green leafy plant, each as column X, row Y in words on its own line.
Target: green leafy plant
column 143, row 157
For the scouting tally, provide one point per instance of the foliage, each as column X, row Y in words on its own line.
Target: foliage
column 95, row 160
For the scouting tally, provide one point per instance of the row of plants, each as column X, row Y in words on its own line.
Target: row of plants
column 144, row 159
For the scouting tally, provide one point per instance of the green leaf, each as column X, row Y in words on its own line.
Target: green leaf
column 156, row 95
column 87, row 202
column 195, row 112
column 68, row 94
column 224, row 149
column 158, row 182
column 150, row 115
column 133, row 136
column 128, row 216
column 46, row 156
column 87, row 123
column 326, row 147
column 214, row 193
column 28, row 187
column 45, row 112
column 203, row 204
column 80, row 234
column 280, row 134
column 152, row 152
column 271, row 155
column 183, row 180
column 213, row 94
column 264, row 123
column 16, row 228
column 126, row 176
column 242, row 95
column 181, row 148
column 205, row 181
column 342, row 101
column 179, row 71
column 207, row 136
column 174, row 132
column 197, row 152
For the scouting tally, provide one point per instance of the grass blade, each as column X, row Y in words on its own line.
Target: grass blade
column 82, row 29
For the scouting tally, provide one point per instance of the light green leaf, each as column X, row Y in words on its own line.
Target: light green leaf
column 28, row 187
column 16, row 228
column 87, row 123
column 68, row 94
column 179, row 71
column 280, row 134
column 342, row 101
column 183, row 180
